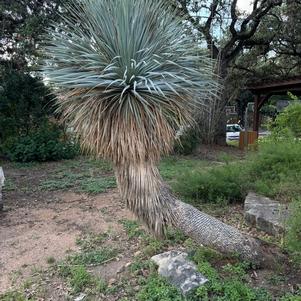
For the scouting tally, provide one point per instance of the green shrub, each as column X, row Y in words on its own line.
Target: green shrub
column 274, row 170
column 43, row 144
column 24, row 103
column 217, row 184
column 187, row 142
column 288, row 121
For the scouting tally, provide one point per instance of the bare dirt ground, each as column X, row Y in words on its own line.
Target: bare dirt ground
column 32, row 233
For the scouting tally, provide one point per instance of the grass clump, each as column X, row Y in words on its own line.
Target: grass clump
column 156, row 288
column 82, row 175
column 13, row 296
column 132, row 228
column 93, row 257
column 293, row 234
column 91, row 241
column 80, row 183
column 213, row 185
column 80, row 279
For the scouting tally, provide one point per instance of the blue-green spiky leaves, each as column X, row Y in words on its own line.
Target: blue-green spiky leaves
column 126, row 72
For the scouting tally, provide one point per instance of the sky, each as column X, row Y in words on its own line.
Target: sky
column 245, row 5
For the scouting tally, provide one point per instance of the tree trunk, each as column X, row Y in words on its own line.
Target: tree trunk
column 151, row 201
column 220, row 137
column 219, row 118
column 1, row 185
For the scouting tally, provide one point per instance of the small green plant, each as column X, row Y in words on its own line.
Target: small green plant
column 288, row 121
column 51, row 260
column 152, row 245
column 293, row 233
column 80, row 279
column 83, row 182
column 91, row 241
column 291, row 297
column 13, row 296
column 9, row 185
column 132, row 228
column 157, row 289
column 93, row 257
column 236, row 271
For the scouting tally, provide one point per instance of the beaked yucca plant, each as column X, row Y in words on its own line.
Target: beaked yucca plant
column 128, row 77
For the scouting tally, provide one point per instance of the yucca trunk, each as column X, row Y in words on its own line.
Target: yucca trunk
column 154, row 205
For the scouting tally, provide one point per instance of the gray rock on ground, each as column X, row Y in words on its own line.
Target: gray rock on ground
column 179, row 271
column 1, row 185
column 267, row 215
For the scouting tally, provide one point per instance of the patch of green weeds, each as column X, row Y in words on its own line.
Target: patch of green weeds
column 141, row 264
column 292, row 297
column 91, row 241
column 13, row 296
column 230, row 288
column 50, row 260
column 24, row 165
column 93, row 257
column 85, row 163
column 171, row 168
column 82, row 175
column 80, row 279
column 175, row 236
column 152, row 245
column 276, row 279
column 79, row 182
column 97, row 185
column 293, row 233
column 202, row 254
column 236, row 271
column 156, row 288
column 132, row 228
column 9, row 185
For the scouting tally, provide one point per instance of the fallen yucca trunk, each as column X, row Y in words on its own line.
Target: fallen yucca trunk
column 128, row 77
column 158, row 208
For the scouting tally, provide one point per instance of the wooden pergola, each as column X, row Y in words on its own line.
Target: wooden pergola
column 265, row 89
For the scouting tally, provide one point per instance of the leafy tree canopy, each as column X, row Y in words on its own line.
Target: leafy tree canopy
column 23, row 22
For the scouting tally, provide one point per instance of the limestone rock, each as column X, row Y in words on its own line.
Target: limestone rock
column 179, row 271
column 267, row 215
column 81, row 297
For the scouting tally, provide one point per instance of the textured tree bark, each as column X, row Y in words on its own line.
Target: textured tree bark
column 154, row 205
column 1, row 185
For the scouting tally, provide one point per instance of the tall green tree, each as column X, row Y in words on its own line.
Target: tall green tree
column 24, row 104
column 228, row 33
column 23, row 23
column 128, row 77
